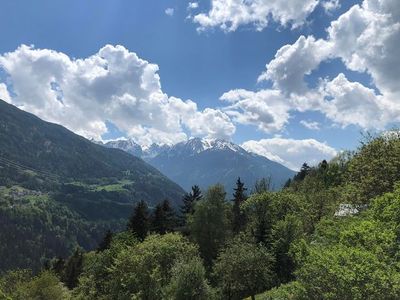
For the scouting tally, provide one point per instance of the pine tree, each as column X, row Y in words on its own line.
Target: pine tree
column 139, row 222
column 58, row 266
column 287, row 183
column 304, row 171
column 106, row 242
column 189, row 200
column 239, row 219
column 163, row 219
column 73, row 268
column 169, row 214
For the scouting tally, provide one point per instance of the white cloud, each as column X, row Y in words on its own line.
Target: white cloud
column 169, row 11
column 330, row 5
column 4, row 95
column 366, row 38
column 292, row 62
column 312, row 125
column 112, row 85
column 230, row 14
column 353, row 103
column 193, row 5
column 291, row 153
column 266, row 109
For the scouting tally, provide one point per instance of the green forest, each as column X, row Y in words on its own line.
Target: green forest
column 333, row 232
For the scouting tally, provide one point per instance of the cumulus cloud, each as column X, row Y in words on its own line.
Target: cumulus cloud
column 353, row 103
column 169, row 12
column 267, row 109
column 292, row 62
column 366, row 38
column 112, row 85
column 291, row 153
column 230, row 14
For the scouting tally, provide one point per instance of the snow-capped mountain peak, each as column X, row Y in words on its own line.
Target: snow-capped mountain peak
column 128, row 145
column 195, row 146
column 192, row 146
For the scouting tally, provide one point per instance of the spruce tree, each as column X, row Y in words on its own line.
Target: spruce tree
column 189, row 200
column 105, row 243
column 239, row 219
column 58, row 266
column 163, row 218
column 73, row 268
column 304, row 171
column 169, row 213
column 139, row 222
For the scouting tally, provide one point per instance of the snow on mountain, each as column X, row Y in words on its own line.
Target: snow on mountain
column 153, row 150
column 207, row 161
column 195, row 146
column 128, row 145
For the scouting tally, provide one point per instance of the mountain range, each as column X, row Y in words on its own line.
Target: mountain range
column 205, row 162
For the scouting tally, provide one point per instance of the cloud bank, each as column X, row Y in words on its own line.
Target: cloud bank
column 113, row 85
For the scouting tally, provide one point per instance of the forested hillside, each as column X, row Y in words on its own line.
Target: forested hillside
column 59, row 191
column 331, row 233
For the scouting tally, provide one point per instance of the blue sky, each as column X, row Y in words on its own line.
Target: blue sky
column 201, row 62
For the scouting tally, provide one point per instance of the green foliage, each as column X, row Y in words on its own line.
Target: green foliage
column 73, row 269
column 145, row 269
column 188, row 281
column 21, row 286
column 106, row 242
column 189, row 200
column 262, row 185
column 375, row 168
column 243, row 269
column 139, row 222
column 258, row 208
column 288, row 291
column 95, row 280
column 209, row 225
column 341, row 272
column 163, row 219
column 284, row 233
column 33, row 232
column 239, row 197
column 293, row 245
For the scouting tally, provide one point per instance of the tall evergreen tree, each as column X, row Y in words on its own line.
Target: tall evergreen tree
column 304, row 171
column 209, row 225
column 105, row 243
column 139, row 222
column 163, row 219
column 73, row 268
column 287, row 183
column 239, row 218
column 189, row 199
column 58, row 266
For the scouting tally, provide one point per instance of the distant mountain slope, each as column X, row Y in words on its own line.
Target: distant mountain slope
column 27, row 140
column 205, row 162
column 208, row 161
column 59, row 191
